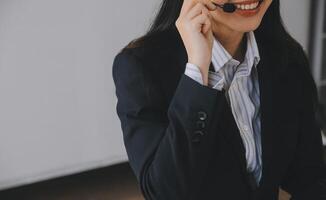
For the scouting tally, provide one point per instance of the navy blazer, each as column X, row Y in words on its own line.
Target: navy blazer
column 182, row 140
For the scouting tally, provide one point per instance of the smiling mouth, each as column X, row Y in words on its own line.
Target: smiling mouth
column 248, row 5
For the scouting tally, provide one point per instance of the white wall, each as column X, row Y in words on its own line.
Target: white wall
column 57, row 98
column 296, row 16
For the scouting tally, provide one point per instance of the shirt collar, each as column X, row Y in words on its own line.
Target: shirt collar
column 220, row 56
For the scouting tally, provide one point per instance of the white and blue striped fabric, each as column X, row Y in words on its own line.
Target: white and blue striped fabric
column 240, row 81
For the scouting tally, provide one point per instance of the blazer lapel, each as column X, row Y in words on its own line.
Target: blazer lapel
column 233, row 137
column 268, row 84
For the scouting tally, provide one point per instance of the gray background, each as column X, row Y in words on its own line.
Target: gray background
column 57, row 98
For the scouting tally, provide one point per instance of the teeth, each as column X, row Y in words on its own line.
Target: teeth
column 247, row 6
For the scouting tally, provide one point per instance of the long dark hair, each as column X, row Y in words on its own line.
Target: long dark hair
column 270, row 32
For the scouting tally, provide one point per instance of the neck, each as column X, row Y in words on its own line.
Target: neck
column 234, row 42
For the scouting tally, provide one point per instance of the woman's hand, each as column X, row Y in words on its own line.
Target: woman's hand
column 194, row 26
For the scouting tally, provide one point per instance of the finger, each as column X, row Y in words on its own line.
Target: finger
column 186, row 6
column 196, row 10
column 207, row 25
column 209, row 35
column 210, row 6
column 199, row 21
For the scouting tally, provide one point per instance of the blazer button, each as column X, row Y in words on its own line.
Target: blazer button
column 196, row 136
column 200, row 124
column 202, row 115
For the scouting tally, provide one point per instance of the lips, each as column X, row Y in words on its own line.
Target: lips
column 247, row 5
column 248, row 8
column 245, row 2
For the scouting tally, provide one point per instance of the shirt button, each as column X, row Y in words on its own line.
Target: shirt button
column 202, row 115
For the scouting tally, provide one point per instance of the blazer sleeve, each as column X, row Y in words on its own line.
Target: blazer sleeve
column 306, row 177
column 168, row 149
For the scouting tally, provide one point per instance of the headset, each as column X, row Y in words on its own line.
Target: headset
column 230, row 7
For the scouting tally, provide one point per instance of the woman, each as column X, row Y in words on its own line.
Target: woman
column 219, row 105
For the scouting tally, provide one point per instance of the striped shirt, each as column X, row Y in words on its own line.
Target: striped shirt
column 240, row 81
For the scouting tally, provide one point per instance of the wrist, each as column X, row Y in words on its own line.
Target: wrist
column 205, row 78
column 203, row 70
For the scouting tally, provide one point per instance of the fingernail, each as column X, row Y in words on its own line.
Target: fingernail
column 214, row 6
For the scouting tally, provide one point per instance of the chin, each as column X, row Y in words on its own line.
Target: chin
column 244, row 27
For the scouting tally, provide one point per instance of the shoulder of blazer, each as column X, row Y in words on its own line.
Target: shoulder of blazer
column 161, row 62
column 289, row 62
column 295, row 55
